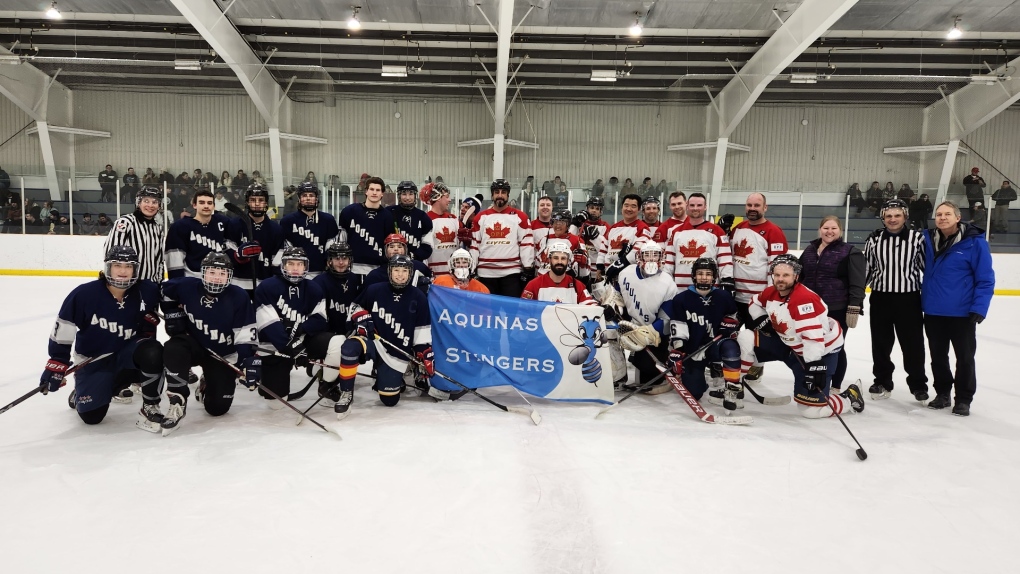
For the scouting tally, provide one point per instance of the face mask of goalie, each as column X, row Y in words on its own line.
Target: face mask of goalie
column 461, row 273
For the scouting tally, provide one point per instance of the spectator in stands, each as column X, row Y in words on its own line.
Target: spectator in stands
column 220, row 201
column 52, row 221
column 63, row 225
column 184, row 183
column 628, row 187
column 108, row 183
column 225, row 180
column 974, row 186
column 197, row 177
column 310, row 178
column 362, row 183
column 88, row 227
column 645, row 188
column 256, row 177
column 150, row 177
column 5, row 186
column 920, row 212
column 240, row 181
column 210, row 180
column 1000, row 215
column 613, row 187
column 598, row 189
column 131, row 185
column 166, row 179
column 905, row 193
column 560, row 193
column 874, row 198
column 33, row 225
column 836, row 271
column 47, row 210
column 889, row 192
column 290, row 199
column 103, row 225
column 662, row 189
column 12, row 216
column 856, row 198
column 529, row 186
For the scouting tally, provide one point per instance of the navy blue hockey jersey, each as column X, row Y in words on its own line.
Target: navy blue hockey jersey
column 189, row 241
column 421, row 278
column 366, row 232
column 696, row 320
column 340, row 292
column 402, row 318
column 96, row 323
column 224, row 323
column 269, row 236
column 281, row 307
column 416, row 227
column 313, row 233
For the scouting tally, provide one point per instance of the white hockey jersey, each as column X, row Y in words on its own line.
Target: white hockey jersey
column 645, row 297
column 688, row 242
column 444, row 242
column 502, row 243
column 754, row 247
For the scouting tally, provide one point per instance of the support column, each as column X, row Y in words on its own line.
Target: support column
column 717, row 176
column 49, row 161
column 276, row 162
column 947, row 170
column 506, row 14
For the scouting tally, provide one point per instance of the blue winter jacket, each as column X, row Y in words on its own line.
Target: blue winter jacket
column 960, row 281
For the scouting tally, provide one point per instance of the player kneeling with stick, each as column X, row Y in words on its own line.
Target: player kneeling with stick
column 202, row 315
column 789, row 323
column 116, row 315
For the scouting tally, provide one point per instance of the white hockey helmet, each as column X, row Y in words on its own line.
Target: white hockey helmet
column 460, row 264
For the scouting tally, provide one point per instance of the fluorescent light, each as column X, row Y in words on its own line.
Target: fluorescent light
column 986, row 80
column 353, row 23
column 53, row 13
column 636, row 29
column 187, row 65
column 603, row 75
column 803, row 78
column 10, row 59
column 394, row 71
column 955, row 32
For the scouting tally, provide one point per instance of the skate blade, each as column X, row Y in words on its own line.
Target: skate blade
column 168, row 431
column 122, row 400
column 880, row 396
column 343, row 415
column 148, row 426
column 719, row 402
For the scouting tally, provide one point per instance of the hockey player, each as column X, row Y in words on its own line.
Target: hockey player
column 367, row 226
column 542, row 225
column 578, row 265
column 460, row 277
column 444, row 226
column 678, row 206
column 113, row 314
column 414, row 224
column 502, row 250
column 310, row 229
column 288, row 309
column 394, row 245
column 588, row 225
column 143, row 231
column 789, row 323
column 699, row 313
column 190, row 239
column 202, row 315
column 340, row 287
column 650, row 209
column 398, row 314
column 254, row 254
column 630, row 231
column 556, row 285
column 695, row 238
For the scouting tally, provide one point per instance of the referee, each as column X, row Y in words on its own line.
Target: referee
column 895, row 257
column 143, row 231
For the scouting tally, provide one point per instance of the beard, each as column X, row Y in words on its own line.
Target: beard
column 558, row 268
column 499, row 202
column 753, row 215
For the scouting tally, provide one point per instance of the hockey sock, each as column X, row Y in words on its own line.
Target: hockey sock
column 152, row 387
column 350, row 357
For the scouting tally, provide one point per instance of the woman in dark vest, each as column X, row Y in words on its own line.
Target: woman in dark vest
column 836, row 271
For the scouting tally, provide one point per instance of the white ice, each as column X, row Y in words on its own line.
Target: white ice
column 464, row 487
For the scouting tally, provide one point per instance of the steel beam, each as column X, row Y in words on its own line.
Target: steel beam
column 506, row 15
column 972, row 106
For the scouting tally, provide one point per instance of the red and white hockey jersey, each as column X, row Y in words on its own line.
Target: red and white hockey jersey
column 444, row 242
column 800, row 320
column 542, row 258
column 539, row 231
column 688, row 242
column 753, row 248
column 664, row 230
column 636, row 233
column 501, row 242
column 591, row 247
column 568, row 290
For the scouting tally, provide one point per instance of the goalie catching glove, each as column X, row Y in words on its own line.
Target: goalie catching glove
column 635, row 338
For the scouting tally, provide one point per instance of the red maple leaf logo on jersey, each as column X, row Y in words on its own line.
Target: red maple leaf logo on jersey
column 617, row 243
column 777, row 325
column 446, row 237
column 692, row 249
column 497, row 231
column 742, row 249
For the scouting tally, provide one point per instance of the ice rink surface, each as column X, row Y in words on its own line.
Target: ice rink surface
column 464, row 487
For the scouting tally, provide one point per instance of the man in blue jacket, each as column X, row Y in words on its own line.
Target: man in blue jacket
column 955, row 294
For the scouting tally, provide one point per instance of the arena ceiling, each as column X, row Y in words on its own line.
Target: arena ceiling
column 881, row 51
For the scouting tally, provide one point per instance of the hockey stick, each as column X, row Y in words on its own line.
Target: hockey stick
column 239, row 373
column 657, row 378
column 861, row 454
column 532, row 414
column 39, row 389
column 251, row 233
column 692, row 402
column 769, row 401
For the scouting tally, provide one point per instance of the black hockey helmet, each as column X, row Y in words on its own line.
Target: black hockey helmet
column 339, row 250
column 596, row 202
column 256, row 190
column 651, row 200
column 561, row 215
column 308, row 187
column 895, row 204
column 404, row 189
column 293, row 254
column 120, row 254
column 786, row 259
column 400, row 262
column 500, row 185
column 149, row 191
column 705, row 263
column 216, row 260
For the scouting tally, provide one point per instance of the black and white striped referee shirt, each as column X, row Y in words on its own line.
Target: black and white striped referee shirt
column 895, row 261
column 146, row 236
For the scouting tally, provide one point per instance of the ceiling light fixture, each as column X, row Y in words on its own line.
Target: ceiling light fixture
column 394, row 71
column 10, row 59
column 636, row 28
column 955, row 32
column 187, row 65
column 803, row 78
column 353, row 23
column 53, row 13
column 603, row 75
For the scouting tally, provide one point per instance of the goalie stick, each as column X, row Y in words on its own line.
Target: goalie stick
column 692, row 402
column 39, row 389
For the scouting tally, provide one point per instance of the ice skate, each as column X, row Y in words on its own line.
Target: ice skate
column 855, row 396
column 150, row 418
column 718, row 397
column 754, row 374
column 342, row 408
column 176, row 412
column 879, row 392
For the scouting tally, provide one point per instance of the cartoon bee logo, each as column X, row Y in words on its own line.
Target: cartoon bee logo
column 589, row 339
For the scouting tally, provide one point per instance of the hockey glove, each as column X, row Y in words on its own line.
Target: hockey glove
column 760, row 323
column 853, row 312
column 363, row 325
column 676, row 361
column 728, row 284
column 527, row 274
column 176, row 322
column 579, row 219
column 53, row 377
column 581, row 260
column 611, row 314
column 148, row 329
column 976, row 318
column 251, row 372
column 815, row 375
column 246, row 251
column 726, row 222
column 624, row 251
column 730, row 327
column 427, row 360
column 465, row 237
column 614, row 270
column 590, row 233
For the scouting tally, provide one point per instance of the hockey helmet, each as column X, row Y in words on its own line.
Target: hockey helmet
column 431, row 192
column 561, row 215
column 394, row 239
column 212, row 261
column 786, row 259
column 149, row 191
column 704, row 263
column 404, row 189
column 500, row 185
column 650, row 258
column 339, row 250
column 293, row 254
column 895, row 204
column 460, row 264
column 396, row 263
column 120, row 254
column 308, row 187
column 256, row 190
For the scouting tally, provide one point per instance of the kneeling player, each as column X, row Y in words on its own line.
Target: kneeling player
column 202, row 315
column 789, row 323
column 398, row 313
column 557, row 286
column 341, row 287
column 96, row 323
column 699, row 313
column 396, row 244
